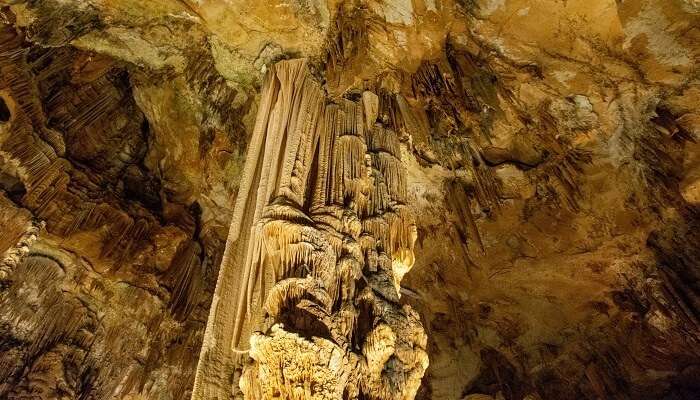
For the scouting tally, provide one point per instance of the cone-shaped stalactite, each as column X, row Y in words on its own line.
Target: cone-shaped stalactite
column 320, row 230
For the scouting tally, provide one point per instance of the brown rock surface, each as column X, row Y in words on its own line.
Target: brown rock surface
column 551, row 156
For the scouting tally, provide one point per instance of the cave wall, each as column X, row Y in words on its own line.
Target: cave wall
column 551, row 155
column 110, row 250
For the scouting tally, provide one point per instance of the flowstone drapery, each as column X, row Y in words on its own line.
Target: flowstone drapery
column 307, row 301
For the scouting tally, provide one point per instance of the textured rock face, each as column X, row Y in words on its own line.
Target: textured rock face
column 548, row 155
column 322, row 204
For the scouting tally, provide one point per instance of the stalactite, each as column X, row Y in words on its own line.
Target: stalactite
column 385, row 140
column 85, row 216
column 122, row 235
column 414, row 121
column 290, row 291
column 46, row 63
column 201, row 73
column 349, row 168
column 101, row 101
column 186, row 271
column 558, row 174
column 348, row 37
column 370, row 102
column 14, row 220
column 379, row 198
column 459, row 201
column 430, row 80
column 45, row 185
column 33, row 155
column 17, row 79
column 49, row 322
column 402, row 234
column 564, row 168
column 391, row 169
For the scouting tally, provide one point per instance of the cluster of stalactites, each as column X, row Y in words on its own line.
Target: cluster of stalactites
column 318, row 159
column 36, row 153
column 322, row 199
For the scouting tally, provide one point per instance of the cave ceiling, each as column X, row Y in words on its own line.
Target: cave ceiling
column 489, row 199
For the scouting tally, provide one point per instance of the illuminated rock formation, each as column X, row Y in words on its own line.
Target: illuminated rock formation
column 321, row 236
column 525, row 174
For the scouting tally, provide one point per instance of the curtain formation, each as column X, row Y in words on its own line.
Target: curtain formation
column 307, row 300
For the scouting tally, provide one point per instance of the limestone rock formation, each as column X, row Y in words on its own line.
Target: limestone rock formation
column 319, row 241
column 369, row 199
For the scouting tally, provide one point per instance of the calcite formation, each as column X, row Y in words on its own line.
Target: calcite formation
column 383, row 199
column 320, row 238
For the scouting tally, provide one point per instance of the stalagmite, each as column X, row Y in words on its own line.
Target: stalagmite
column 322, row 200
